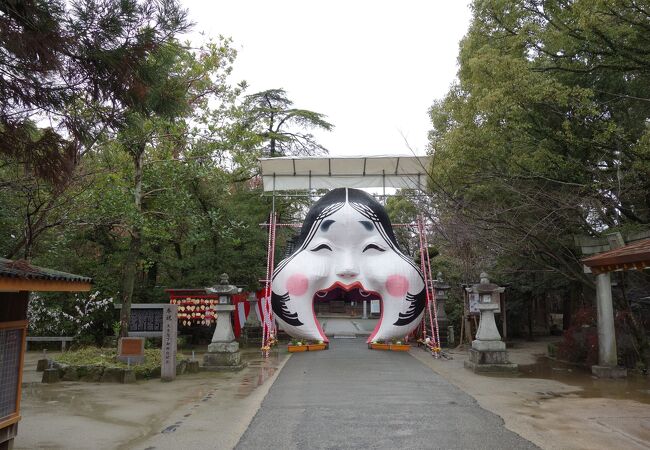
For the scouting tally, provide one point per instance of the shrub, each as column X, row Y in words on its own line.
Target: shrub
column 85, row 316
column 580, row 341
column 107, row 357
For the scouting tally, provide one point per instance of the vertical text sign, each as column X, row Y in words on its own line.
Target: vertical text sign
column 170, row 331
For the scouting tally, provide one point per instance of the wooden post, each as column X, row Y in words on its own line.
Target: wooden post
column 504, row 316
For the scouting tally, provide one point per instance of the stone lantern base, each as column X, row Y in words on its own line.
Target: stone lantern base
column 443, row 332
column 609, row 372
column 223, row 353
column 251, row 335
column 252, row 331
column 223, row 356
column 489, row 357
column 488, row 353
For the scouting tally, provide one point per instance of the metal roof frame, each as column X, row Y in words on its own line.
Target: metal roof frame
column 329, row 172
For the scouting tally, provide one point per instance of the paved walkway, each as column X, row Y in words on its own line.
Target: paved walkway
column 352, row 397
column 345, row 327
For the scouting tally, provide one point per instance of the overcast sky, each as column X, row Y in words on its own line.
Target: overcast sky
column 373, row 67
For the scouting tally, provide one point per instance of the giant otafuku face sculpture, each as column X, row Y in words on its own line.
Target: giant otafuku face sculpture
column 347, row 248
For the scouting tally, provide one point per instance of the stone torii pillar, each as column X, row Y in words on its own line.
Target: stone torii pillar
column 606, row 333
column 607, row 366
column 607, row 356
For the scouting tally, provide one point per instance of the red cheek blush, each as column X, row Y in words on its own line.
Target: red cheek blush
column 297, row 284
column 397, row 285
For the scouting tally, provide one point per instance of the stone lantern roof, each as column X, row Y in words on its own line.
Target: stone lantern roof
column 440, row 283
column 224, row 287
column 485, row 287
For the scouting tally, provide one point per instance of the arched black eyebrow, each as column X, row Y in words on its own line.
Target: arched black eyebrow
column 326, row 224
column 366, row 224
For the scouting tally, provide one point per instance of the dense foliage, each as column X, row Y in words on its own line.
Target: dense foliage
column 544, row 137
column 129, row 156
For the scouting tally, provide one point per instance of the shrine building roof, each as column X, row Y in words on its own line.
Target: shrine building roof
column 20, row 275
column 635, row 255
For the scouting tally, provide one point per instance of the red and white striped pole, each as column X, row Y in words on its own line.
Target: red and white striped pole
column 433, row 299
column 267, row 293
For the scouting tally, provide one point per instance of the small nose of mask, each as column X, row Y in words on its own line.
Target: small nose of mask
column 349, row 272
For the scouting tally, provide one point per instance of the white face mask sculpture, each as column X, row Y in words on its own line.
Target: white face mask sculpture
column 347, row 248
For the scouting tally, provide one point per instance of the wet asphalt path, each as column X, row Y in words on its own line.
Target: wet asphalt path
column 352, row 397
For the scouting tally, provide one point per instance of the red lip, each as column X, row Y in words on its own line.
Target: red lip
column 347, row 288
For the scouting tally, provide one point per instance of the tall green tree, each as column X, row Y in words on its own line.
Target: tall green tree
column 161, row 190
column 282, row 128
column 545, row 134
column 73, row 66
column 178, row 85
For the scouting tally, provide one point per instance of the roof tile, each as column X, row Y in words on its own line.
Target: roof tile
column 24, row 270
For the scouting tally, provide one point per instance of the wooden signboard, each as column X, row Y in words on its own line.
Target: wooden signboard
column 131, row 349
column 473, row 300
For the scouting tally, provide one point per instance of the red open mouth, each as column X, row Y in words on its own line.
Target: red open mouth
column 349, row 292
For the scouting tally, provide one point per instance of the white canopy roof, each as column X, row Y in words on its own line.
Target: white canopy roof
column 329, row 172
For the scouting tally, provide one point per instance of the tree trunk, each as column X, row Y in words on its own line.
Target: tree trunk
column 206, row 212
column 570, row 303
column 566, row 312
column 272, row 136
column 131, row 263
column 531, row 313
column 152, row 275
column 35, row 224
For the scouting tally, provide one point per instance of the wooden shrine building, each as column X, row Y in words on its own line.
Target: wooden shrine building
column 17, row 280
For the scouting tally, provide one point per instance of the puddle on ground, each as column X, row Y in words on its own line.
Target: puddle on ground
column 635, row 387
column 143, row 409
column 259, row 370
column 61, row 395
column 93, row 399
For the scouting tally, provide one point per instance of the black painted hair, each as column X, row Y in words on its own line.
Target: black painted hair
column 363, row 202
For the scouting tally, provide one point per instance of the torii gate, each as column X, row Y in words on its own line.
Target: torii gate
column 301, row 176
column 634, row 255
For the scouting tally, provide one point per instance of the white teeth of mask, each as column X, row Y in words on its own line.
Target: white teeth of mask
column 347, row 249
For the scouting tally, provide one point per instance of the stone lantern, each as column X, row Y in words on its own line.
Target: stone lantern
column 252, row 331
column 441, row 289
column 223, row 352
column 488, row 353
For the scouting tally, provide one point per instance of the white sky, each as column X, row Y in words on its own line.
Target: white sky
column 373, row 67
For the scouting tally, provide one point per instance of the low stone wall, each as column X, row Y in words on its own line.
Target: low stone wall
column 54, row 371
